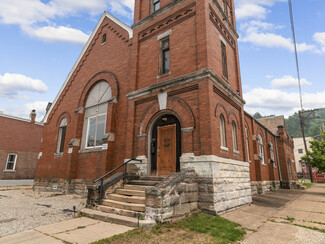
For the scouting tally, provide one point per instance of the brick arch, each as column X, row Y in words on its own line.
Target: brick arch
column 63, row 115
column 175, row 106
column 233, row 117
column 220, row 109
column 107, row 76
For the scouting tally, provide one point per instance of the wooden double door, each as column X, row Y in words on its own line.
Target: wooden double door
column 165, row 146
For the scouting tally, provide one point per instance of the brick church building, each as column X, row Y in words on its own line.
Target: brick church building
column 166, row 91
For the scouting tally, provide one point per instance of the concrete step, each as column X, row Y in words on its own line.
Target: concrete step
column 143, row 182
column 152, row 178
column 135, row 187
column 123, row 205
column 127, row 199
column 118, row 211
column 117, row 219
column 128, row 192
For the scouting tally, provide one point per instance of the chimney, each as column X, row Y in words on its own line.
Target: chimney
column 33, row 116
column 281, row 130
column 48, row 107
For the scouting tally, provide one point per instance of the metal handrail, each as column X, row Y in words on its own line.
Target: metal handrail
column 101, row 179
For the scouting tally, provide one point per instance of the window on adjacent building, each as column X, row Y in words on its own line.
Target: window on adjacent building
column 224, row 60
column 247, row 144
column 261, row 148
column 96, row 115
column 300, row 151
column 234, row 137
column 11, row 162
column 272, row 152
column 155, row 5
column 104, row 38
column 164, row 56
column 223, row 131
column 61, row 136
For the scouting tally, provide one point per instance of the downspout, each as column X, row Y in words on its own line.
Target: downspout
column 277, row 157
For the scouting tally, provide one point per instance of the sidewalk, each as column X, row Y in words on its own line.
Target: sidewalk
column 16, row 182
column 79, row 230
column 285, row 216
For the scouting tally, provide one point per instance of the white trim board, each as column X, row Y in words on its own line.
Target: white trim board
column 105, row 14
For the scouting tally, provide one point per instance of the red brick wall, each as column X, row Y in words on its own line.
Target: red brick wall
column 21, row 138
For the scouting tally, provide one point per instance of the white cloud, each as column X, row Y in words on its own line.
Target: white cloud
column 260, row 34
column 254, row 9
column 37, row 18
column 25, row 110
column 58, row 34
column 288, row 81
column 273, row 101
column 11, row 84
column 319, row 37
column 122, row 7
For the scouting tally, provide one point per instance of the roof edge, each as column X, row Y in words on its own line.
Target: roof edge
column 20, row 119
column 105, row 14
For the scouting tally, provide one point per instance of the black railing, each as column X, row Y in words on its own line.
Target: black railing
column 101, row 179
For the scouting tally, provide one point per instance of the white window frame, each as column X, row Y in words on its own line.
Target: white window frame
column 14, row 168
column 234, row 137
column 87, row 134
column 58, row 145
column 223, row 136
column 247, row 144
column 261, row 149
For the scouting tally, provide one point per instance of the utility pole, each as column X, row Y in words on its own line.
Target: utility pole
column 305, row 115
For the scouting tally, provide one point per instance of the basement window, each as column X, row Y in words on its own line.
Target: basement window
column 11, row 162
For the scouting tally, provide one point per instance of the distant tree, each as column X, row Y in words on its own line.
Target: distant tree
column 316, row 157
column 257, row 115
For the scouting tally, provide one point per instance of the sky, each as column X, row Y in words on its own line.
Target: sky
column 40, row 40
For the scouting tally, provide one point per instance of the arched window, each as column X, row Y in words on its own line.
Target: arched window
column 234, row 137
column 96, row 115
column 223, row 131
column 247, row 144
column 261, row 148
column 272, row 152
column 61, row 137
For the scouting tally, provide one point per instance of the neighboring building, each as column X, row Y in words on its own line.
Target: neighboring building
column 168, row 92
column 300, row 151
column 20, row 141
column 285, row 149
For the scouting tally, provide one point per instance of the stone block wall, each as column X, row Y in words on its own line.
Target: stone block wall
column 138, row 168
column 174, row 197
column 223, row 183
column 260, row 187
column 67, row 186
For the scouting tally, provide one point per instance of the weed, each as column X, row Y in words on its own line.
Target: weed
column 311, row 228
column 291, row 219
column 81, row 227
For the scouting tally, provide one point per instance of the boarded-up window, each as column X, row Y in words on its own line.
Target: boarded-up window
column 224, row 61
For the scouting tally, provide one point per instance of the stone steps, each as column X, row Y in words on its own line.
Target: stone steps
column 118, row 211
column 143, row 183
column 128, row 192
column 135, row 187
column 126, row 199
column 116, row 219
column 123, row 205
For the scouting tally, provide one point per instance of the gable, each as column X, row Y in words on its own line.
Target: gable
column 92, row 36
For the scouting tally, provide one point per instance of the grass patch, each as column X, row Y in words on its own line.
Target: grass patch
column 81, row 227
column 197, row 228
column 308, row 185
column 291, row 219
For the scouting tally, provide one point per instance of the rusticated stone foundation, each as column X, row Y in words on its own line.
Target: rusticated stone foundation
column 67, row 186
column 223, row 183
column 260, row 187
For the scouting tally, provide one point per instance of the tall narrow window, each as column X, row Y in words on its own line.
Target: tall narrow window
column 164, row 56
column 272, row 152
column 224, row 60
column 261, row 148
column 247, row 144
column 234, row 137
column 225, row 7
column 96, row 115
column 61, row 137
column 11, row 162
column 156, row 5
column 223, row 131
column 104, row 39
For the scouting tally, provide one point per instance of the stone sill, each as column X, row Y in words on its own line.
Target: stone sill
column 58, row 154
column 236, row 152
column 224, row 148
column 164, row 75
column 9, row 171
column 91, row 150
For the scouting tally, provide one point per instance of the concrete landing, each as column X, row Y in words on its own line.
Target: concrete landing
column 79, row 230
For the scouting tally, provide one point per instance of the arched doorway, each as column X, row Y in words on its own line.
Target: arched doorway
column 165, row 145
